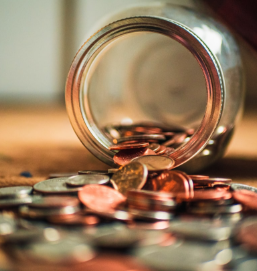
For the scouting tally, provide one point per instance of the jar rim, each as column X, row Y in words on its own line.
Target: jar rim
column 79, row 112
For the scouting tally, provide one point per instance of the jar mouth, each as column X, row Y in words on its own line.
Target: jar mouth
column 77, row 101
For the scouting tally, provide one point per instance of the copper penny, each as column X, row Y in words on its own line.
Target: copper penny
column 190, row 183
column 246, row 198
column 156, row 163
column 198, row 177
column 169, row 151
column 144, row 137
column 124, row 157
column 100, row 198
column 118, row 147
column 202, row 195
column 171, row 182
column 162, row 150
column 154, row 147
column 131, row 176
column 212, row 181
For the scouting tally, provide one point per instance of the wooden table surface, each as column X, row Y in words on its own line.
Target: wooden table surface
column 40, row 140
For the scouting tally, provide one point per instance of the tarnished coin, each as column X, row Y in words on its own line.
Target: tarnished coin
column 145, row 137
column 55, row 186
column 124, row 157
column 100, row 198
column 171, row 182
column 81, row 180
column 118, row 147
column 156, row 163
column 247, row 198
column 15, row 191
column 131, row 176
column 54, row 202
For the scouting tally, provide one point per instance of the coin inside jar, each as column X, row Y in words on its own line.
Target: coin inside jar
column 124, row 157
column 156, row 163
column 118, row 147
column 131, row 176
column 81, row 180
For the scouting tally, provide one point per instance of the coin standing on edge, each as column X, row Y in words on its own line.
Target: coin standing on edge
column 131, row 176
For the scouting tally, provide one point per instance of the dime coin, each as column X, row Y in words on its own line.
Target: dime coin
column 131, row 176
column 81, row 180
column 156, row 163
column 15, row 191
column 55, row 186
column 118, row 147
column 124, row 157
column 247, row 198
column 100, row 198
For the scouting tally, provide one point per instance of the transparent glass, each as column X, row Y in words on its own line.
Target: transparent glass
column 159, row 63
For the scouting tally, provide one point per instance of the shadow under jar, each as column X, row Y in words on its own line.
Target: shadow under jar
column 162, row 68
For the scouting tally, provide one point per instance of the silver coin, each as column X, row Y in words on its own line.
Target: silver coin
column 98, row 172
column 114, row 236
column 15, row 191
column 238, row 186
column 212, row 210
column 202, row 229
column 61, row 175
column 180, row 256
column 249, row 265
column 81, row 180
column 55, row 186
column 118, row 215
column 155, row 163
column 151, row 215
column 61, row 251
column 15, row 202
column 27, row 212
column 112, row 170
column 7, row 225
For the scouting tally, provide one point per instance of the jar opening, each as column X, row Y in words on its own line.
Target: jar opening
column 163, row 74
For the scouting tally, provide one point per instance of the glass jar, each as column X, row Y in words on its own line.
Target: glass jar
column 161, row 64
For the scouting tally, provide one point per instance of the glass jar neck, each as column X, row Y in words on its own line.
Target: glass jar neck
column 77, row 100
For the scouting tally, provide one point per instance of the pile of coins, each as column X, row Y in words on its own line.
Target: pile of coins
column 143, row 215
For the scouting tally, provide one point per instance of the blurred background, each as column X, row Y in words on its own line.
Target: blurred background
column 38, row 40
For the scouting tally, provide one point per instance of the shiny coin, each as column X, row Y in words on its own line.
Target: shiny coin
column 81, row 180
column 247, row 198
column 118, row 147
column 54, row 202
column 162, row 150
column 124, row 157
column 150, row 215
column 208, row 230
column 145, row 137
column 171, row 182
column 202, row 195
column 15, row 191
column 82, row 172
column 100, row 198
column 131, row 176
column 7, row 225
column 156, row 163
column 238, row 186
column 55, row 186
column 198, row 177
